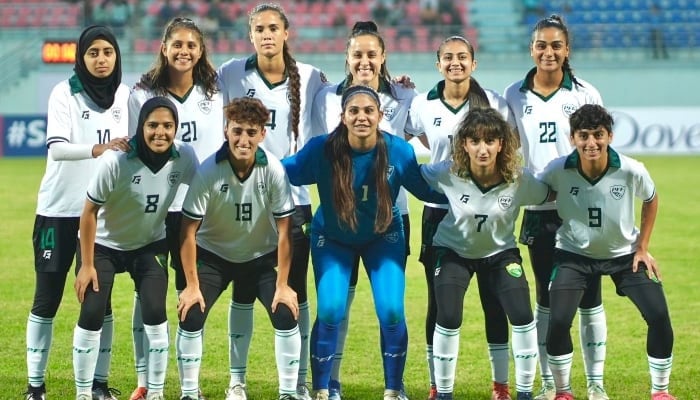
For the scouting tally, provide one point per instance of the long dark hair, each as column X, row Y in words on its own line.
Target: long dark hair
column 557, row 22
column 476, row 95
column 362, row 28
column 294, row 86
column 338, row 151
column 204, row 74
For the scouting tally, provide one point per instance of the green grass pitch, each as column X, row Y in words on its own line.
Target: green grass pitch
column 674, row 244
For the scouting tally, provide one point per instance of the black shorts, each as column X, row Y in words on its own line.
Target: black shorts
column 504, row 270
column 575, row 272
column 55, row 241
column 539, row 226
column 431, row 219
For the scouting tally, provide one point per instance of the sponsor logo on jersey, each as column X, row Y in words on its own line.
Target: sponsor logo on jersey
column 568, row 109
column 223, row 188
column 117, row 114
column 250, row 93
column 514, row 270
column 527, row 110
column 204, row 106
column 85, row 114
column 136, row 179
column 437, row 121
column 321, row 242
column 464, row 198
column 392, row 237
column 574, row 191
column 174, row 178
column 505, row 202
column 617, row 191
column 46, row 255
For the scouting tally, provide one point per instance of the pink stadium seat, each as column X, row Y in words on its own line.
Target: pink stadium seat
column 140, row 45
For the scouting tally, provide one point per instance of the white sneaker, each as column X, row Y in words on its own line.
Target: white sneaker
column 236, row 392
column 303, row 392
column 322, row 394
column 390, row 394
column 597, row 392
column 84, row 396
column 547, row 392
column 155, row 396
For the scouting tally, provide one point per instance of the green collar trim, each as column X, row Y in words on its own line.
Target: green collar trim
column 437, row 92
column 252, row 63
column 566, row 83
column 573, row 160
column 75, row 85
column 182, row 99
column 384, row 87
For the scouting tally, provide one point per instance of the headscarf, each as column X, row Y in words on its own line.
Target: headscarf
column 100, row 90
column 154, row 161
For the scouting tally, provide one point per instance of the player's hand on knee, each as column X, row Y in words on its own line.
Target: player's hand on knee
column 189, row 298
column 87, row 275
column 287, row 296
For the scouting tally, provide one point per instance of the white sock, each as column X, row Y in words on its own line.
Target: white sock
column 240, row 332
column 140, row 344
column 287, row 348
column 39, row 337
column 188, row 347
column 542, row 322
column 158, row 343
column 660, row 370
column 342, row 336
column 104, row 357
column 85, row 348
column 304, row 322
column 431, row 363
column 445, row 352
column 593, row 330
column 524, row 339
column 499, row 357
column 561, row 371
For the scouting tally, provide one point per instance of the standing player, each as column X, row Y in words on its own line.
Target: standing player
column 485, row 186
column 596, row 190
column 183, row 73
column 286, row 88
column 86, row 116
column 359, row 170
column 122, row 229
column 542, row 103
column 236, row 229
column 365, row 62
column 445, row 105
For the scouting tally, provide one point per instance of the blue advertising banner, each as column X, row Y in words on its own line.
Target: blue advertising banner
column 23, row 135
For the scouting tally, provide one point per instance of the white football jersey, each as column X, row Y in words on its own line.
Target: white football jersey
column 75, row 118
column 133, row 200
column 543, row 123
column 201, row 123
column 431, row 116
column 480, row 221
column 240, row 77
column 395, row 102
column 239, row 216
column 598, row 216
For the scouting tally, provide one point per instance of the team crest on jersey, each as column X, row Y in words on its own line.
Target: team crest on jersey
column 568, row 109
column 514, row 270
column 204, row 106
column 389, row 113
column 505, row 202
column 117, row 114
column 392, row 237
column 174, row 178
column 617, row 191
column 261, row 187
